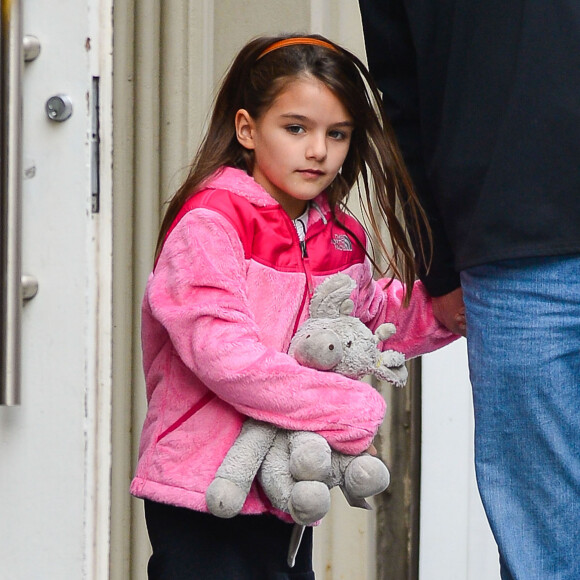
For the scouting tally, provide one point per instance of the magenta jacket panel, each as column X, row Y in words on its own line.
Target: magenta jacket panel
column 231, row 286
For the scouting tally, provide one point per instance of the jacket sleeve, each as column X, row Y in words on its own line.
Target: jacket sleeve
column 418, row 331
column 198, row 293
column 392, row 63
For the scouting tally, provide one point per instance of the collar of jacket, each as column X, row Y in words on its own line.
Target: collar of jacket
column 239, row 182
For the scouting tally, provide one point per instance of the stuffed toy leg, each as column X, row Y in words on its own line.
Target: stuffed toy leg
column 228, row 491
column 300, row 469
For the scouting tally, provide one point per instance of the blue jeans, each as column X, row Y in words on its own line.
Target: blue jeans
column 523, row 337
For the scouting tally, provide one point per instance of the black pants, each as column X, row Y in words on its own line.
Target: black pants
column 189, row 545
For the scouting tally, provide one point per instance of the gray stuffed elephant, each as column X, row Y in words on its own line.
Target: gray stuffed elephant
column 297, row 469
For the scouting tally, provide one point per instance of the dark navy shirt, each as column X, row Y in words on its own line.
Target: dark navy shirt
column 484, row 97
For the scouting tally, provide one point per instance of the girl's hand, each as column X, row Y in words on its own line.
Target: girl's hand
column 449, row 310
column 372, row 450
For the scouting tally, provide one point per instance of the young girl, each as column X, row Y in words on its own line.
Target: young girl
column 257, row 225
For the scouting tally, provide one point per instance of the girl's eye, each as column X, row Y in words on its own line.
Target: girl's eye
column 338, row 135
column 294, row 129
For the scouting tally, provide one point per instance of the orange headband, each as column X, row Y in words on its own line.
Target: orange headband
column 297, row 40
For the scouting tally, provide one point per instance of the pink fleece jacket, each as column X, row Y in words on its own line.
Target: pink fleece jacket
column 230, row 288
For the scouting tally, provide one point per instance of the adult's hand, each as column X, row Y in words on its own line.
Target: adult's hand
column 449, row 310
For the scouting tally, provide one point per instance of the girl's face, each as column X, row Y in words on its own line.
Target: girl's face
column 299, row 143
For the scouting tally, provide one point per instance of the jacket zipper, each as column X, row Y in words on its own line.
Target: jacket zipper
column 307, row 270
column 309, row 286
column 304, row 253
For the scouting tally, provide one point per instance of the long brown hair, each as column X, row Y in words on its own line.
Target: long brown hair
column 373, row 163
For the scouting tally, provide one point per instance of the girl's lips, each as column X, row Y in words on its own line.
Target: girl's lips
column 311, row 172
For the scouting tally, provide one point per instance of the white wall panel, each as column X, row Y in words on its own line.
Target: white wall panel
column 456, row 542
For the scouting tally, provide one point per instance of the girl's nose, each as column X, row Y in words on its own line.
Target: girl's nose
column 316, row 147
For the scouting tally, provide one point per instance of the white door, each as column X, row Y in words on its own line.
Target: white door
column 455, row 540
column 54, row 450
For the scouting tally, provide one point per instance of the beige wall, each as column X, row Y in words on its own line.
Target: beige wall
column 237, row 21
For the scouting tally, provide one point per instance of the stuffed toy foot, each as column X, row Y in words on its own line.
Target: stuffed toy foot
column 225, row 498
column 364, row 476
column 310, row 456
column 309, row 502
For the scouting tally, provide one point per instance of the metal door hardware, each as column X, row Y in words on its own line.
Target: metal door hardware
column 59, row 108
column 29, row 287
column 30, row 47
column 15, row 49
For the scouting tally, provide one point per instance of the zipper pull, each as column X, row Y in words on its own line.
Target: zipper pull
column 309, row 282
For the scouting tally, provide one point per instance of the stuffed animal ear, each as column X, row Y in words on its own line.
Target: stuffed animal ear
column 396, row 376
column 346, row 307
column 331, row 295
column 391, row 368
column 385, row 331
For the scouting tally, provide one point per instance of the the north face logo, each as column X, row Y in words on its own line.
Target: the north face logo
column 342, row 242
